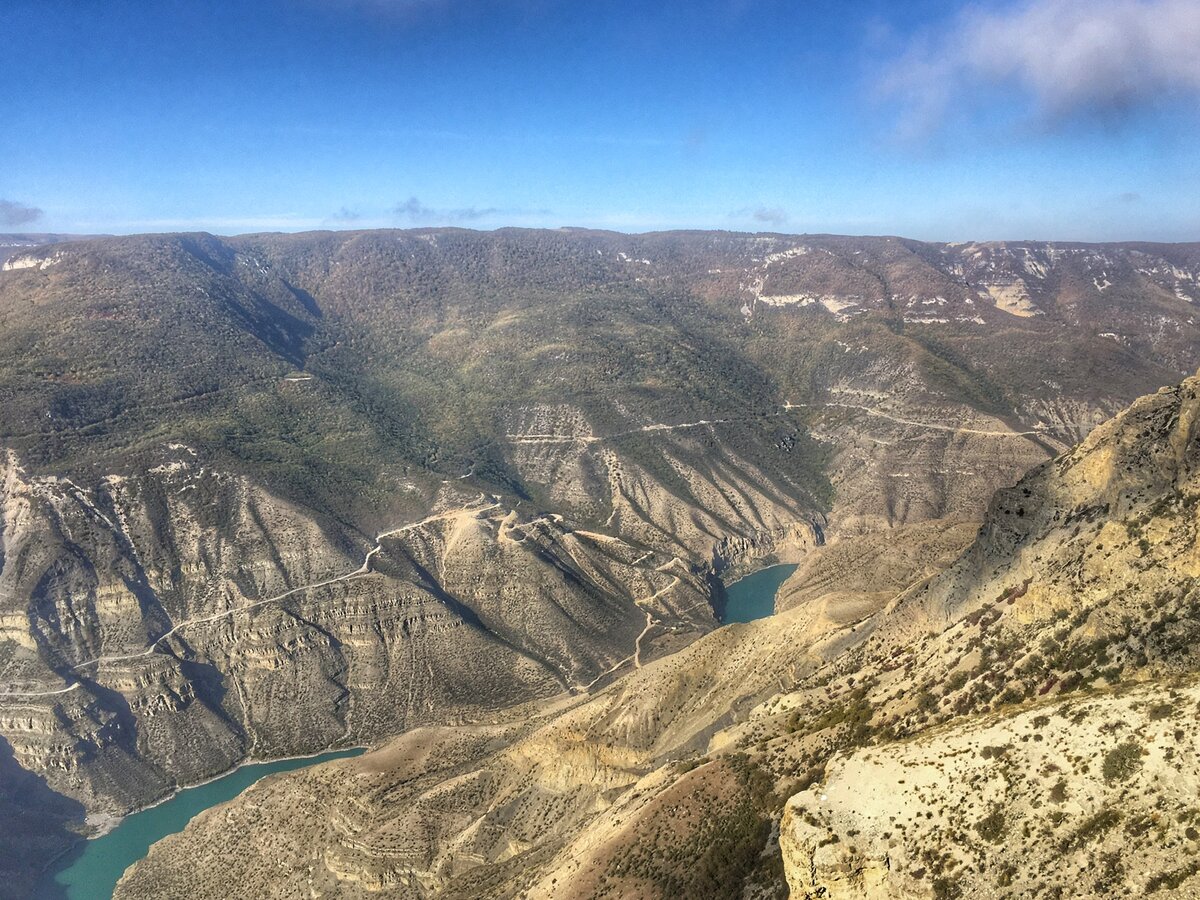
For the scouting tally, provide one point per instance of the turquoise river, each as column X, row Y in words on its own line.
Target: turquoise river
column 92, row 870
column 753, row 597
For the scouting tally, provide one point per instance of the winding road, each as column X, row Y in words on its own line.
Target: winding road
column 362, row 570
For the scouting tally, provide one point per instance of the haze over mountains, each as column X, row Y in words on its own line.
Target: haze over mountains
column 271, row 494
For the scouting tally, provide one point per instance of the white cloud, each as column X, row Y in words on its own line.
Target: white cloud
column 1063, row 60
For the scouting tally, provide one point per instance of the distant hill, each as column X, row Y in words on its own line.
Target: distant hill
column 14, row 244
column 433, row 346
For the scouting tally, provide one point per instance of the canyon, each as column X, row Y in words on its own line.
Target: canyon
column 469, row 497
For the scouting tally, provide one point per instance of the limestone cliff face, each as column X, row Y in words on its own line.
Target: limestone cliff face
column 158, row 628
column 179, row 621
column 682, row 486
column 1111, row 515
column 1078, row 600
column 902, row 452
column 1087, row 798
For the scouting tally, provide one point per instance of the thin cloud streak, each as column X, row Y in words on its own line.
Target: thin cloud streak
column 766, row 215
column 345, row 216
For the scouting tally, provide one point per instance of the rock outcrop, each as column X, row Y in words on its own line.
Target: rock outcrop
column 1087, row 797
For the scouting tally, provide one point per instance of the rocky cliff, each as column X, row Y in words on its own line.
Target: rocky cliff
column 1062, row 671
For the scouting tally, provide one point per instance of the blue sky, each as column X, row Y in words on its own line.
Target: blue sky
column 1054, row 119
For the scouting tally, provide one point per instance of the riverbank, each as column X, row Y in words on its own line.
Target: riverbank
column 91, row 869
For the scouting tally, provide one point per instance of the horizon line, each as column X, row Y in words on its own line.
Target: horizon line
column 58, row 236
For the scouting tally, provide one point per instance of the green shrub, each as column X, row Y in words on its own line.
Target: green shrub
column 1122, row 762
column 1093, row 827
column 1173, row 879
column 993, row 826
